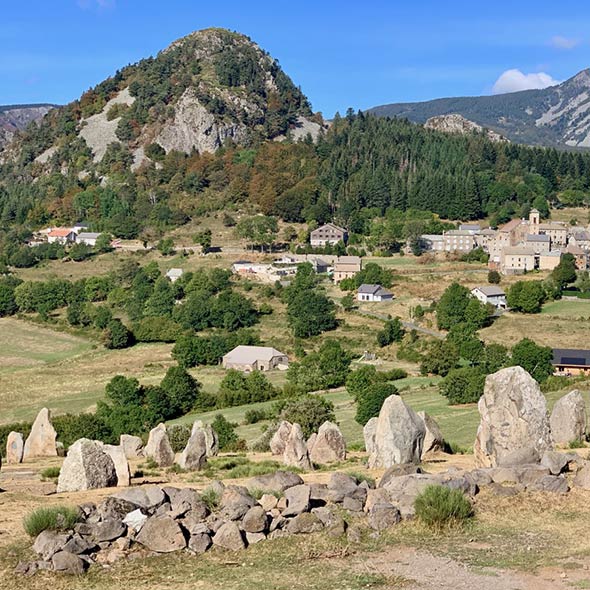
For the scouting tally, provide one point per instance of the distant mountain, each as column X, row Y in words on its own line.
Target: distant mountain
column 208, row 88
column 557, row 116
column 14, row 118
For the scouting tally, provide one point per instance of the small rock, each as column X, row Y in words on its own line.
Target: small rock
column 268, row 502
column 255, row 520
column 297, row 500
column 304, row 523
column 161, row 534
column 200, row 542
column 383, row 516
column 229, row 537
column 254, row 538
column 68, row 563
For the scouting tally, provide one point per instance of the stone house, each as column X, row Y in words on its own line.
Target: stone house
column 329, row 233
column 458, row 241
column 255, row 358
column 517, row 260
column 346, row 267
column 556, row 231
column 540, row 242
column 61, row 235
column 580, row 256
column 373, row 293
column 88, row 238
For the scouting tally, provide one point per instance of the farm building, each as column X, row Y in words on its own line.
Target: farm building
column 345, row 267
column 255, row 358
column 373, row 293
column 328, row 234
column 571, row 361
column 87, row 237
column 61, row 235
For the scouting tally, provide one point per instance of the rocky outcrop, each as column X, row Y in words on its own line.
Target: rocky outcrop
column 211, row 440
column 295, row 453
column 514, row 423
column 280, row 437
column 195, row 128
column 132, row 446
column 568, row 419
column 329, row 445
column 457, row 124
column 16, row 118
column 14, row 447
column 158, row 447
column 399, row 435
column 433, row 439
column 41, row 440
column 194, row 456
column 87, row 466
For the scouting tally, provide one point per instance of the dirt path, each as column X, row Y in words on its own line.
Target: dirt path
column 413, row 569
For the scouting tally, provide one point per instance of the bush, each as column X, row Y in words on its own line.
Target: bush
column 116, row 335
column 369, row 402
column 440, row 507
column 178, row 435
column 226, row 433
column 156, row 329
column 50, row 473
column 254, row 416
column 71, row 427
column 309, row 411
column 55, row 518
column 463, row 386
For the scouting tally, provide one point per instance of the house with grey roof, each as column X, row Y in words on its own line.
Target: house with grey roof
column 88, row 237
column 571, row 361
column 373, row 293
column 255, row 358
column 491, row 294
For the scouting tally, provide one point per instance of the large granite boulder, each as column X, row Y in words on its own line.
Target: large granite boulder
column 514, row 419
column 87, row 466
column 568, row 419
column 132, row 446
column 433, row 439
column 399, row 435
column 41, row 440
column 14, row 447
column 329, row 445
column 279, row 439
column 211, row 440
column 117, row 454
column 369, row 431
column 158, row 447
column 295, row 453
column 194, row 456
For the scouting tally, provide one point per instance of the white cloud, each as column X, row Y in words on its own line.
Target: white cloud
column 514, row 80
column 560, row 42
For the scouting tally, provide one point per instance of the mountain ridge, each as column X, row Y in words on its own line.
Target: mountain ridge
column 557, row 116
column 16, row 117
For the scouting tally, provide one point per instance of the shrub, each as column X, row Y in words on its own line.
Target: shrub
column 254, row 416
column 116, row 335
column 369, row 402
column 54, row 518
column 178, row 435
column 463, row 386
column 211, row 498
column 226, row 433
column 71, row 427
column 50, row 473
column 309, row 411
column 156, row 329
column 440, row 507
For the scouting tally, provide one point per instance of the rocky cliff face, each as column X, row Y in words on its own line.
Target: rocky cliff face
column 555, row 116
column 15, row 118
column 457, row 124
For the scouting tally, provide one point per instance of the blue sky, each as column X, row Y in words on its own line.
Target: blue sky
column 342, row 54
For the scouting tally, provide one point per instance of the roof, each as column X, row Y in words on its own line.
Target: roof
column 511, row 225
column 571, row 356
column 537, row 238
column 175, row 272
column 348, row 259
column 458, row 232
column 373, row 290
column 555, row 253
column 60, row 232
column 582, row 235
column 469, row 226
column 553, row 225
column 245, row 355
column 572, row 249
column 491, row 291
column 88, row 235
column 519, row 251
column 330, row 226
column 432, row 237
column 488, row 231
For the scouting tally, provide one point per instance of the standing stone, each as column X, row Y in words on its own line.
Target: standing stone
column 433, row 439
column 311, row 441
column 568, row 419
column 279, row 440
column 399, row 435
column 295, row 454
column 41, row 441
column 87, row 466
column 211, row 440
column 329, row 445
column 132, row 446
column 158, row 447
column 194, row 456
column 14, row 447
column 513, row 418
column 369, row 431
column 117, row 454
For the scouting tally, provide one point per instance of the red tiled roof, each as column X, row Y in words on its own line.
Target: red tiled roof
column 60, row 232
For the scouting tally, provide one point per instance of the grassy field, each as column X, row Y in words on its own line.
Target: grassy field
column 579, row 308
